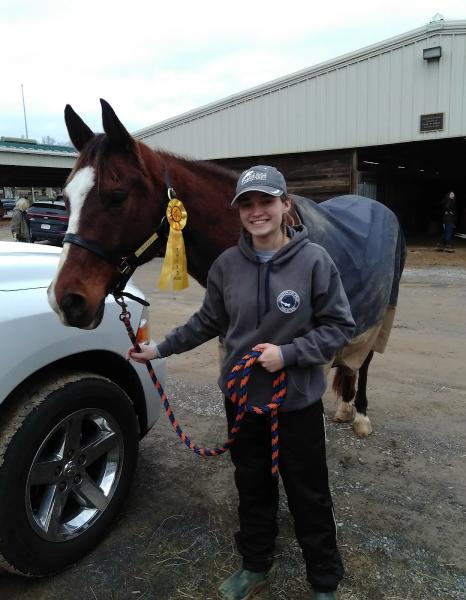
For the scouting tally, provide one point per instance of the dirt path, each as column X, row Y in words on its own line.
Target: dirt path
column 399, row 495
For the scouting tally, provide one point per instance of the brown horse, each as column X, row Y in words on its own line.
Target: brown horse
column 117, row 195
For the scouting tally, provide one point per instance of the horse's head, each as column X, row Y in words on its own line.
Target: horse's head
column 111, row 199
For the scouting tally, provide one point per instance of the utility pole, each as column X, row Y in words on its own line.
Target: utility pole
column 24, row 111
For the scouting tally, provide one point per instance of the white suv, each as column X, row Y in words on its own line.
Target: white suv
column 72, row 411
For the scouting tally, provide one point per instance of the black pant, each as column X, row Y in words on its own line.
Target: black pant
column 303, row 468
column 447, row 234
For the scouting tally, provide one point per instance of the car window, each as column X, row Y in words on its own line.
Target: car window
column 47, row 206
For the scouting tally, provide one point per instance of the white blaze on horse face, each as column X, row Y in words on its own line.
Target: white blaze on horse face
column 77, row 191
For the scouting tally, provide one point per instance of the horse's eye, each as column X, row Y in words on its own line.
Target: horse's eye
column 118, row 196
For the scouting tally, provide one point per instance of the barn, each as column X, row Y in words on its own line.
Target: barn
column 387, row 121
column 27, row 168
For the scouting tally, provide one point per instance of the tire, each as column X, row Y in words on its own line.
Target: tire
column 67, row 458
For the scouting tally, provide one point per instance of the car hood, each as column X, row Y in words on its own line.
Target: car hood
column 27, row 266
column 32, row 266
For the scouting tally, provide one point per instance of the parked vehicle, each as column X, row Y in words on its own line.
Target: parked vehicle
column 48, row 220
column 7, row 206
column 72, row 411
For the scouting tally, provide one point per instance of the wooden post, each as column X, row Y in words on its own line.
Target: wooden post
column 354, row 172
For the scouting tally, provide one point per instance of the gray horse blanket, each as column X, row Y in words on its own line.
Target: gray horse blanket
column 365, row 241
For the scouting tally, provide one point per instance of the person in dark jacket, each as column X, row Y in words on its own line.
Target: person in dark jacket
column 19, row 225
column 279, row 294
column 448, row 222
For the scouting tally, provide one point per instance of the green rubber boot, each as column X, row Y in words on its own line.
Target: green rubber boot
column 243, row 585
column 324, row 596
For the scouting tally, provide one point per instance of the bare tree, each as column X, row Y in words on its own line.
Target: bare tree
column 50, row 141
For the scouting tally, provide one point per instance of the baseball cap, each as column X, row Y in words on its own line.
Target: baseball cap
column 261, row 178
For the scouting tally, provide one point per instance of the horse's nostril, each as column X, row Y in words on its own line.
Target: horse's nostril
column 73, row 306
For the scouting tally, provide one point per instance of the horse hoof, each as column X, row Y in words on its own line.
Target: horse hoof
column 344, row 413
column 362, row 426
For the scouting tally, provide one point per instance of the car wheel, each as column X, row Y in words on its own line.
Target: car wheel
column 67, row 458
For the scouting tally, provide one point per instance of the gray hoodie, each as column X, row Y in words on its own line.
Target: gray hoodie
column 295, row 300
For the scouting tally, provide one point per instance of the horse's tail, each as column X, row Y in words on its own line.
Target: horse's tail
column 343, row 382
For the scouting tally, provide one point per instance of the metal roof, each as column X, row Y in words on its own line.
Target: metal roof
column 8, row 145
column 28, row 163
column 374, row 95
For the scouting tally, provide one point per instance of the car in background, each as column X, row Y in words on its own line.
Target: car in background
column 72, row 412
column 48, row 220
column 7, row 206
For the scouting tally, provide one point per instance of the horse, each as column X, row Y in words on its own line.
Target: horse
column 117, row 194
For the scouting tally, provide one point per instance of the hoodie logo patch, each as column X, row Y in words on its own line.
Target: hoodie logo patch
column 288, row 301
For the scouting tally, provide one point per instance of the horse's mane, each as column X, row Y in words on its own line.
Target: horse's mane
column 207, row 169
column 94, row 153
column 90, row 154
column 212, row 169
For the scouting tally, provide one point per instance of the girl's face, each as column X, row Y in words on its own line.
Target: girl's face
column 452, row 195
column 262, row 214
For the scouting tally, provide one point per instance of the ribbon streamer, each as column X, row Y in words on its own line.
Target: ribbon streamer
column 174, row 266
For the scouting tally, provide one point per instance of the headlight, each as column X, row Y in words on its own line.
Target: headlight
column 143, row 333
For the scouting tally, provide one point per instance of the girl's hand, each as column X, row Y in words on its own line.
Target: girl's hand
column 271, row 358
column 147, row 353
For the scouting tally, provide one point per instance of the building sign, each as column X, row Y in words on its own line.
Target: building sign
column 432, row 122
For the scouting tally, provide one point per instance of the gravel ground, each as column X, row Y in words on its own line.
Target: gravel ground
column 399, row 495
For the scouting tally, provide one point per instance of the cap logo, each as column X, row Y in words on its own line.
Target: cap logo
column 288, row 301
column 253, row 176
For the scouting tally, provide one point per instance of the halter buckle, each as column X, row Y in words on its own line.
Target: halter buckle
column 124, row 267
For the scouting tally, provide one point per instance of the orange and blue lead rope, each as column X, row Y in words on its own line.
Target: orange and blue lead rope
column 244, row 367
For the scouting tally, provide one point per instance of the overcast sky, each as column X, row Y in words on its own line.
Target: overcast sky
column 155, row 59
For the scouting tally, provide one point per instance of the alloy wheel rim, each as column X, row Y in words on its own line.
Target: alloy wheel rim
column 74, row 474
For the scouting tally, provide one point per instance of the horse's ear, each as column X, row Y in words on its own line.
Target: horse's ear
column 79, row 132
column 113, row 127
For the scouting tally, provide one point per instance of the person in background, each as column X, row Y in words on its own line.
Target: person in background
column 448, row 222
column 19, row 225
column 279, row 294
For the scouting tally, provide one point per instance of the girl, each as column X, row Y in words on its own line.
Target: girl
column 279, row 294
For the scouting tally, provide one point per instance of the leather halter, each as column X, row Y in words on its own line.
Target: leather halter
column 126, row 265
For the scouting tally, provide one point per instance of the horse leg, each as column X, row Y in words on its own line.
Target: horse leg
column 344, row 386
column 362, row 425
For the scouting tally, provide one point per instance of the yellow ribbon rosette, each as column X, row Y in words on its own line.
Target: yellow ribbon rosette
column 174, row 265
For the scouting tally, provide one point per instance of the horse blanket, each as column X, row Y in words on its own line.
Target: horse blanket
column 366, row 243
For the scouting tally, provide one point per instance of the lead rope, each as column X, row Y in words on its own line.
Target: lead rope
column 243, row 366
